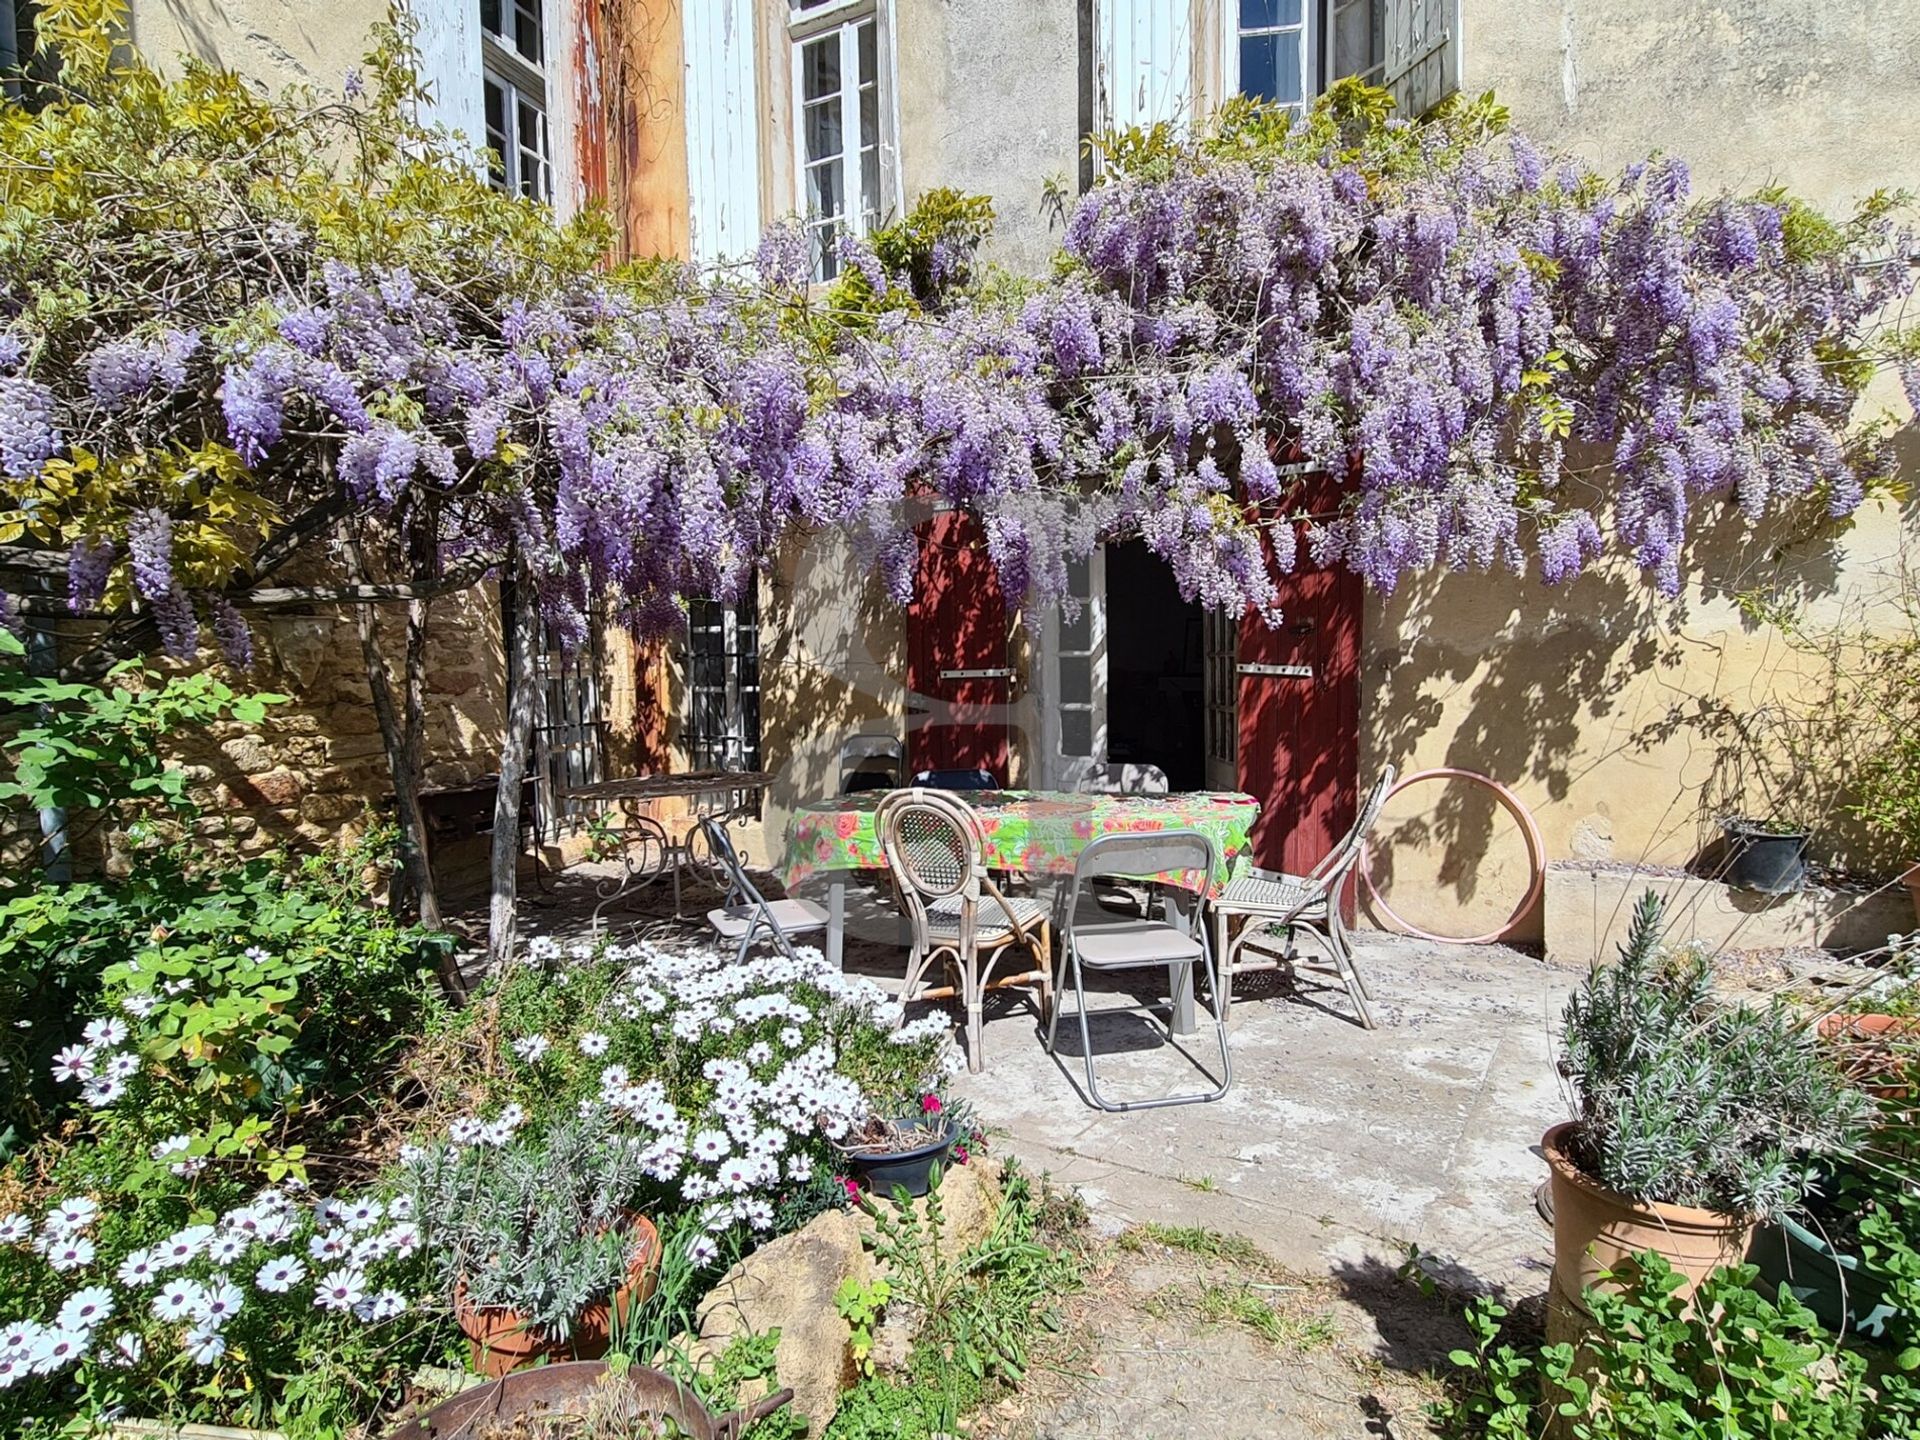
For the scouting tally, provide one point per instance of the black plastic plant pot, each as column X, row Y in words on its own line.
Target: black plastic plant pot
column 909, row 1170
column 1772, row 862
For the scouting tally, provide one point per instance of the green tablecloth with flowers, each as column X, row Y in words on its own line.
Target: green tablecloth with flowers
column 1035, row 832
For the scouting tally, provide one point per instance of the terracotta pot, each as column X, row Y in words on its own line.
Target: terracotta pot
column 1912, row 881
column 1873, row 1050
column 501, row 1340
column 1596, row 1230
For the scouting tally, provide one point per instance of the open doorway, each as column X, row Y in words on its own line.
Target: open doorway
column 1156, row 655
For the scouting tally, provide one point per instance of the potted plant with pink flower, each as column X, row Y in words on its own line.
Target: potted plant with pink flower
column 888, row 1153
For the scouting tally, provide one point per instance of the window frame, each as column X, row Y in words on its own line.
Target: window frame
column 737, row 741
column 520, row 82
column 1317, row 31
column 808, row 24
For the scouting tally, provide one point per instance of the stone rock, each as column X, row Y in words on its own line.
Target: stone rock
column 301, row 647
column 789, row 1286
column 970, row 1197
column 275, row 790
column 453, row 682
column 323, row 809
column 249, row 754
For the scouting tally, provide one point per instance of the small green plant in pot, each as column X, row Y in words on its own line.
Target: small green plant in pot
column 537, row 1241
column 1696, row 1118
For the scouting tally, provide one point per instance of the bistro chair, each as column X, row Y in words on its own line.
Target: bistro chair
column 746, row 915
column 871, row 762
column 1104, row 944
column 975, row 779
column 934, row 850
column 1271, row 900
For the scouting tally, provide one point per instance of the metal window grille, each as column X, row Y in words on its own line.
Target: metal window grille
column 1222, row 688
column 722, row 728
column 570, row 732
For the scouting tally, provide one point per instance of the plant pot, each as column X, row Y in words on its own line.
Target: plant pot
column 1911, row 879
column 501, row 1340
column 910, row 1170
column 1827, row 1281
column 1772, row 862
column 1596, row 1230
column 1872, row 1049
column 563, row 1390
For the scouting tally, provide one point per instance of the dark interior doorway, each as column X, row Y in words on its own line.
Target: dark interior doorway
column 1155, row 656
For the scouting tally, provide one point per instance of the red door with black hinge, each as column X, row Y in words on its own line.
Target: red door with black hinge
column 957, row 672
column 1299, row 712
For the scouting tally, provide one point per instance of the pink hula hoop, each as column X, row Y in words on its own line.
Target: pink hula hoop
column 1536, row 860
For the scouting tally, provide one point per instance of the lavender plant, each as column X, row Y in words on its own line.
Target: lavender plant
column 1687, row 1100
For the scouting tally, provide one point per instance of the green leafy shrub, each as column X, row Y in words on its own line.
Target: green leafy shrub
column 1731, row 1365
column 1687, row 1100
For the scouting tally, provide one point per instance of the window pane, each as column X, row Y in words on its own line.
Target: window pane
column 1076, row 680
column 1076, row 634
column 526, row 29
column 820, row 68
column 824, row 138
column 490, row 16
column 869, row 54
column 497, row 141
column 1076, row 732
column 1264, row 14
column 1356, row 38
column 1270, row 67
column 869, row 115
column 825, row 196
column 826, row 263
column 870, row 187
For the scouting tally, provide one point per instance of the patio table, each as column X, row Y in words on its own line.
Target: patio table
column 1033, row 832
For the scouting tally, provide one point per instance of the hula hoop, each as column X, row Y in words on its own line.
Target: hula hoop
column 1536, row 860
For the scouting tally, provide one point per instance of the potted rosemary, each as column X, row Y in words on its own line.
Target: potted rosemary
column 537, row 1241
column 1696, row 1119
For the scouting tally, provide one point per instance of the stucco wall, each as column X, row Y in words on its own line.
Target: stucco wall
column 273, row 42
column 990, row 105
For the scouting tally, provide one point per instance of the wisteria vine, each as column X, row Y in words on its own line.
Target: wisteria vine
column 1503, row 358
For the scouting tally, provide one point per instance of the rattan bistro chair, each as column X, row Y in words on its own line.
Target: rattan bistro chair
column 1103, row 944
column 934, row 851
column 1271, row 900
column 746, row 915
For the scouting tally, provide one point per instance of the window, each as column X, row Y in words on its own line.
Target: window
column 569, row 738
column 723, row 685
column 513, row 50
column 838, row 124
column 1288, row 51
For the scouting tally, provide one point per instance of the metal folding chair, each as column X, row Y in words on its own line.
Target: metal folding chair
column 956, row 780
column 934, row 850
column 746, row 915
column 1270, row 900
column 1126, row 779
column 871, row 762
column 1111, row 945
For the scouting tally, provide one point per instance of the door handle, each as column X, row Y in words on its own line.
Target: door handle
column 1001, row 673
column 1286, row 672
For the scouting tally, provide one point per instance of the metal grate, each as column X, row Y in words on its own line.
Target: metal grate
column 722, row 730
column 570, row 734
column 1222, row 696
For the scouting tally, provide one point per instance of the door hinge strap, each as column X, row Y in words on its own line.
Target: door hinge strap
column 1002, row 673
column 1286, row 672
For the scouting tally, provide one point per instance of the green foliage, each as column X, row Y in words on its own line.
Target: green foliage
column 1732, row 1365
column 749, row 1358
column 923, row 257
column 860, row 1305
column 1690, row 1101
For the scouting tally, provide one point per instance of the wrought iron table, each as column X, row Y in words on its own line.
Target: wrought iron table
column 648, row 849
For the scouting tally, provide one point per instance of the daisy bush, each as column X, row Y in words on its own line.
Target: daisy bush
column 728, row 1082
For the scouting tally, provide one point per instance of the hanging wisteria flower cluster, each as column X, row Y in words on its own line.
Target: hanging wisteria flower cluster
column 1347, row 341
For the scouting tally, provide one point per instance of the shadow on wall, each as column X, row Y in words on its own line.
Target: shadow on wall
column 1599, row 697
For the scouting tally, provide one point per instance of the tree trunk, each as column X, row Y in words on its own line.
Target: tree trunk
column 403, row 748
column 517, row 625
column 423, row 565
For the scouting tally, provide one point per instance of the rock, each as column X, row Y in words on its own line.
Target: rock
column 789, row 1286
column 970, row 1197
column 249, row 754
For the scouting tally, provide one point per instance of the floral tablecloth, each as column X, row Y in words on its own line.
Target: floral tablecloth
column 1036, row 832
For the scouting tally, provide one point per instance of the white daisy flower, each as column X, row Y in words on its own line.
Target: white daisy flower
column 73, row 1215
column 701, row 1250
column 223, row 1302
column 128, row 1349
column 102, row 1090
column 467, row 1130
column 203, row 1347
column 85, row 1308
column 122, row 1066
column 333, row 1245
column 280, row 1274
column 177, row 1249
column 384, row 1306
column 139, row 1005
column 400, row 1208
column 225, row 1249
column 178, row 1299
column 15, row 1229
column 340, row 1290
column 363, row 1214
column 13, row 1369
column 172, row 1145
column 711, row 1145
column 72, row 1252
column 55, row 1350
column 105, row 1031
column 800, row 1166
column 593, row 1044
column 138, row 1269
column 73, row 1063
column 532, row 1048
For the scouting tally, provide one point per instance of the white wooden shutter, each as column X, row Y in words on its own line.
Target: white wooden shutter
column 1144, row 54
column 723, row 140
column 1422, row 63
column 449, row 43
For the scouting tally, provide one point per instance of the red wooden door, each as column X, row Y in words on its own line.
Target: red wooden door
column 1299, row 715
column 957, row 674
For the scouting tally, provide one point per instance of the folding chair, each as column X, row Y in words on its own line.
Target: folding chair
column 1114, row 945
column 1271, row 900
column 1126, row 779
column 978, row 779
column 871, row 762
column 746, row 914
column 934, row 851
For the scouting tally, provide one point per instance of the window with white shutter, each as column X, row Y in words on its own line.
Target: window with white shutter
column 1289, row 51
